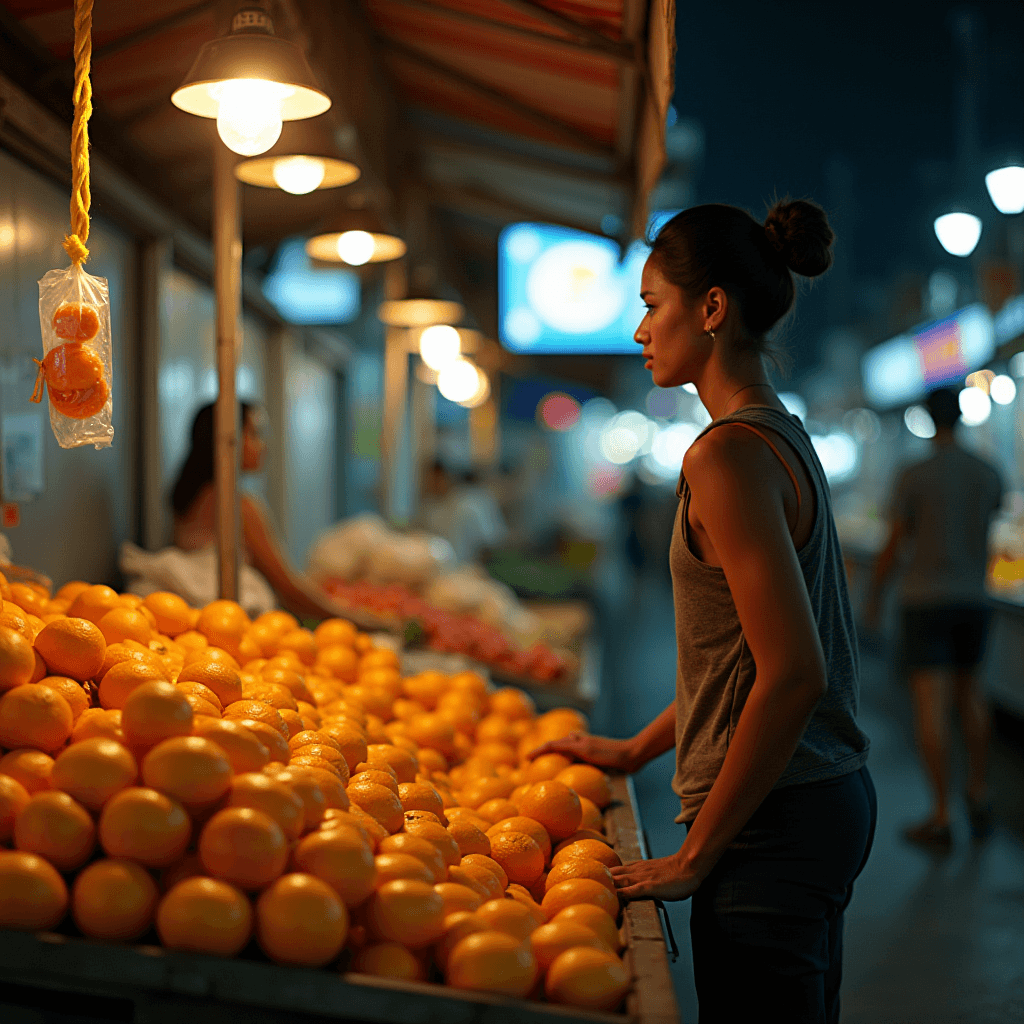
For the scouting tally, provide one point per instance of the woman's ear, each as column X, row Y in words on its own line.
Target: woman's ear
column 716, row 306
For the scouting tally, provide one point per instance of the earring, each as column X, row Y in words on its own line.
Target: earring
column 710, row 333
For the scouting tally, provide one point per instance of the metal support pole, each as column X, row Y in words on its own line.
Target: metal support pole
column 227, row 256
column 396, row 383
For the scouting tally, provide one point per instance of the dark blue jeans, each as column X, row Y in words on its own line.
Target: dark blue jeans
column 767, row 923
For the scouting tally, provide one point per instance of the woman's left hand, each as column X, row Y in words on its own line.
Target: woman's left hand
column 666, row 878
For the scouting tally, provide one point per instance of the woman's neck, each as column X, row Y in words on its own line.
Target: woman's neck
column 722, row 390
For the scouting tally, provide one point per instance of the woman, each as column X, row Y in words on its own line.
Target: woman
column 194, row 504
column 770, row 765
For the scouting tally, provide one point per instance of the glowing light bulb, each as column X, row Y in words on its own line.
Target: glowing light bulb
column 1006, row 189
column 440, row 346
column 958, row 233
column 249, row 114
column 458, row 380
column 299, row 174
column 355, row 247
column 975, row 406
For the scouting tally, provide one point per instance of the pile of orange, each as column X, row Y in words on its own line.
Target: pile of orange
column 221, row 780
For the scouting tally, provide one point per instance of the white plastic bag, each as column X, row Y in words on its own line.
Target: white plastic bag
column 74, row 317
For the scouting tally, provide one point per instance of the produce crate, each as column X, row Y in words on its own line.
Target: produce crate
column 88, row 980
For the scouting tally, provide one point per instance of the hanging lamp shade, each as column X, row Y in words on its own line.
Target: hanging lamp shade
column 297, row 173
column 355, row 239
column 251, row 81
column 420, row 311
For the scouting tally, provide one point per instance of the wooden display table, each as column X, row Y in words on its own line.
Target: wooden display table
column 151, row 985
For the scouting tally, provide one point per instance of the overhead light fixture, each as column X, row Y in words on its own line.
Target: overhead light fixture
column 251, row 81
column 298, row 174
column 1006, row 189
column 355, row 238
column 958, row 233
column 462, row 381
column 440, row 344
column 420, row 312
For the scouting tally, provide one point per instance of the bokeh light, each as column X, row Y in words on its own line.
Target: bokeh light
column 975, row 406
column 439, row 346
column 558, row 411
column 355, row 247
column 458, row 380
column 958, row 233
column 919, row 422
column 1002, row 390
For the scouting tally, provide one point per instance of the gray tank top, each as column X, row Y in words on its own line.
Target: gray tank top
column 715, row 669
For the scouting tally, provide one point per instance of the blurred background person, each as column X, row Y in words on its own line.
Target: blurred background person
column 193, row 500
column 464, row 512
column 939, row 514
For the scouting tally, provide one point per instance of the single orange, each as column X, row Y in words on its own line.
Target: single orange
column 205, row 915
column 335, row 631
column 13, row 797
column 33, row 897
column 597, row 920
column 458, row 897
column 418, row 847
column 145, row 826
column 270, row 737
column 275, row 798
column 591, row 816
column 457, row 926
column 125, row 677
column 492, row 961
column 153, row 712
column 57, row 827
column 583, row 833
column 403, row 762
column 223, row 623
column 274, row 694
column 93, row 770
column 302, row 642
column 120, row 624
column 343, row 859
column 509, row 916
column 528, row 826
column 439, row 836
column 114, row 900
column 499, row 809
column 70, row 690
column 192, row 640
column 130, row 650
column 392, row 866
column 388, row 960
column 580, row 890
column 17, row 659
column 545, row 767
column 243, row 846
column 406, row 911
column 240, row 745
column 28, row 599
column 592, row 848
column 519, row 855
column 307, row 788
column 554, row 805
column 171, row 612
column 301, row 921
column 588, row 781
column 470, row 838
column 98, row 722
column 80, row 404
column 489, row 863
column 477, row 878
column 420, row 796
column 34, row 716
column 589, row 978
column 76, row 321
column 219, row 676
column 379, row 802
column 202, row 691
column 258, row 710
column 94, row 602
column 560, row 722
column 579, row 867
column 190, row 769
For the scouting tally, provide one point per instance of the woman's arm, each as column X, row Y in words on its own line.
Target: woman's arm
column 621, row 755
column 739, row 502
column 296, row 593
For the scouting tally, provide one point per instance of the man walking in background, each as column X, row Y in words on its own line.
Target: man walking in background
column 941, row 509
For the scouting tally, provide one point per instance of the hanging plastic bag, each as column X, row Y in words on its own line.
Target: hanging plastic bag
column 74, row 318
column 74, row 307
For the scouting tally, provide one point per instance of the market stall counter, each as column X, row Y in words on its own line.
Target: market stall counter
column 147, row 984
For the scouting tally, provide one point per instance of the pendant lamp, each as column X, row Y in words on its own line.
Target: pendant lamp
column 297, row 173
column 355, row 238
column 251, row 81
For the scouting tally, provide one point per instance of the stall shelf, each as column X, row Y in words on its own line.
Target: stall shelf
column 146, row 984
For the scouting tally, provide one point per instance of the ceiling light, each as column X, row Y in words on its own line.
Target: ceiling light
column 439, row 345
column 297, row 174
column 958, row 233
column 1006, row 189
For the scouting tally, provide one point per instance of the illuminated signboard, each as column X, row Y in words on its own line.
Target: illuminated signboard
column 904, row 368
column 564, row 291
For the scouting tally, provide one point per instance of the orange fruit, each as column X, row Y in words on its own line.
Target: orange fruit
column 580, row 890
column 302, row 642
column 192, row 641
column 34, row 716
column 13, row 797
column 350, row 740
column 597, row 920
column 469, row 838
column 153, row 712
column 32, row 768
column 492, row 962
column 583, row 833
column 93, row 770
column 271, row 796
column 512, row 703
column 125, row 677
column 554, row 805
column 274, row 694
column 497, row 810
column 93, row 603
column 592, row 979
column 458, row 897
column 335, row 631
column 258, row 710
column 240, row 745
column 270, row 737
column 460, row 814
column 528, row 826
column 28, row 600
column 205, row 915
column 483, row 790
column 71, row 691
column 243, row 846
column 301, row 921
column 17, row 659
column 376, row 831
column 218, row 676
column 223, row 623
column 392, row 866
column 33, row 897
column 592, row 848
column 552, row 939
column 372, row 700
column 591, row 816
column 477, row 878
column 509, row 916
column 379, row 802
column 77, row 322
column 545, row 767
column 343, row 859
column 294, row 683
column 579, row 867
column 388, row 960
column 422, row 849
column 57, row 827
column 308, row 737
column 456, row 927
column 588, row 781
column 489, row 863
column 190, row 769
column 130, row 650
column 377, row 778
column 324, row 752
column 406, row 911
column 70, row 590
column 420, row 796
column 144, row 825
column 203, row 692
column 439, row 836
column 114, row 900
column 172, row 613
column 497, row 753
column 120, row 624
column 14, row 618
column 404, row 763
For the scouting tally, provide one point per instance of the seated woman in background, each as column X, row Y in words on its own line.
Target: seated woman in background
column 194, row 503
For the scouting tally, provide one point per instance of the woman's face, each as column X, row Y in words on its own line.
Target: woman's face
column 253, row 445
column 672, row 332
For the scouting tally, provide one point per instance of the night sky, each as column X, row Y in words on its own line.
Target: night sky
column 796, row 96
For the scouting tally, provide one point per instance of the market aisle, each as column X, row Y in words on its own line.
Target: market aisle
column 927, row 941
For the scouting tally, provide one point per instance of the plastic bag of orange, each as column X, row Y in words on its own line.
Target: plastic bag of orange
column 76, row 371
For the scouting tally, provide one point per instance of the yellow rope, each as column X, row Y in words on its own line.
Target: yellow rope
column 81, row 197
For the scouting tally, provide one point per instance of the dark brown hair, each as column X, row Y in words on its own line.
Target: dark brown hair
column 718, row 245
column 197, row 470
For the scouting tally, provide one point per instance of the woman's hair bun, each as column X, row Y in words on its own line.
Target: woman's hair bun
column 799, row 231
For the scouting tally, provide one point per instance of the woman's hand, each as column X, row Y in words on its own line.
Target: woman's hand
column 598, row 750
column 666, row 878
